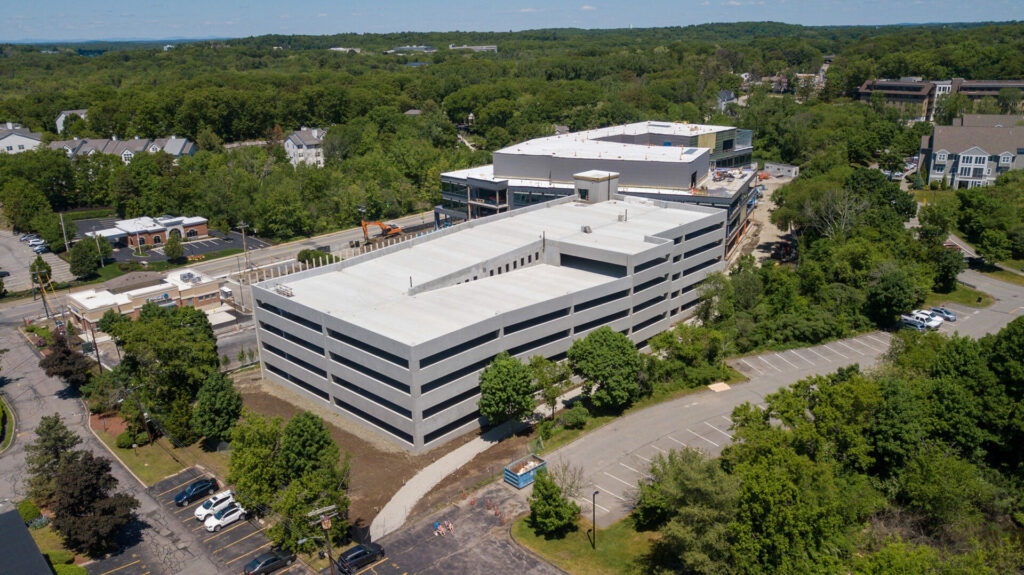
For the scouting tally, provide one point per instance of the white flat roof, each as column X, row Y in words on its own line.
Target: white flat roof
column 591, row 144
column 374, row 293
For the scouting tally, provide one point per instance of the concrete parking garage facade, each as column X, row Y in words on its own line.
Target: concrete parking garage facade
column 395, row 339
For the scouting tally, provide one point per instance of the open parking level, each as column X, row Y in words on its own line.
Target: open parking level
column 229, row 549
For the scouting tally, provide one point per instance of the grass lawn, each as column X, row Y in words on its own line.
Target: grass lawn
column 962, row 295
column 619, row 548
column 7, row 433
column 153, row 462
column 1006, row 276
column 150, row 463
column 48, row 541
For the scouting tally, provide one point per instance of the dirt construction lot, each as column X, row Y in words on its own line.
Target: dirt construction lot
column 379, row 468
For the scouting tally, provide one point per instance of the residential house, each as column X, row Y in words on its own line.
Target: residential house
column 725, row 97
column 975, row 152
column 125, row 149
column 65, row 114
column 15, row 139
column 305, row 146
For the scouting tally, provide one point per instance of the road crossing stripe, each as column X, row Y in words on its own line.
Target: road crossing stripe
column 702, row 437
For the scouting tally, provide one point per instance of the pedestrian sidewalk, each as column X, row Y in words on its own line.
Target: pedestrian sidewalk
column 396, row 511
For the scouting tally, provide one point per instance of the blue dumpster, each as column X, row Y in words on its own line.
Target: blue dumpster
column 521, row 472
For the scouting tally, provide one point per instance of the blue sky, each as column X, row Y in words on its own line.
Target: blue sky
column 104, row 19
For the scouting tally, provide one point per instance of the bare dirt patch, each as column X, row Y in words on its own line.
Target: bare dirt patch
column 379, row 468
column 108, row 422
column 489, row 465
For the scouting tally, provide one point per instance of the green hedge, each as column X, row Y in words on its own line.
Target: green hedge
column 28, row 511
column 69, row 570
column 59, row 557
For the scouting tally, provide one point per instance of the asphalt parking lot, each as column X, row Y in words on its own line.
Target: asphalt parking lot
column 229, row 549
column 16, row 256
column 214, row 243
column 480, row 544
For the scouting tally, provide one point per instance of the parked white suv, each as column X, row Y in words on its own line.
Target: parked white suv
column 932, row 320
column 225, row 517
column 214, row 504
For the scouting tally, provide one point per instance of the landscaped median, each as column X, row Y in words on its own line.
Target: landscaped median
column 6, row 425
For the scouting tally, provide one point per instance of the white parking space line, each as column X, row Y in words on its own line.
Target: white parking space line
column 626, row 483
column 677, row 441
column 658, row 448
column 642, row 457
column 647, row 475
column 797, row 353
column 871, row 347
column 587, row 502
column 811, row 349
column 702, row 437
column 765, row 361
column 850, row 348
column 835, row 352
column 718, row 430
column 879, row 341
column 726, row 418
column 793, row 365
column 759, row 372
column 605, row 491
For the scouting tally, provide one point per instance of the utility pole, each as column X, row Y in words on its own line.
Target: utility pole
column 95, row 346
column 64, row 231
column 325, row 514
column 42, row 289
column 245, row 250
column 98, row 252
column 593, row 506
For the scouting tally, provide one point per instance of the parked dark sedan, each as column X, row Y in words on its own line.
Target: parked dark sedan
column 359, row 556
column 269, row 562
column 195, row 491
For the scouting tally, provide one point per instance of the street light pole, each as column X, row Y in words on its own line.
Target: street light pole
column 245, row 251
column 593, row 507
column 98, row 252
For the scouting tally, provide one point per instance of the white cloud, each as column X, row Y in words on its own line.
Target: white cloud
column 587, row 8
column 527, row 10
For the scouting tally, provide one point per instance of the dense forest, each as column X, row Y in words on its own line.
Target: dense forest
column 382, row 163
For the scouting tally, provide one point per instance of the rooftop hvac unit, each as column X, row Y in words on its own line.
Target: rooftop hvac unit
column 587, row 230
column 284, row 290
column 186, row 277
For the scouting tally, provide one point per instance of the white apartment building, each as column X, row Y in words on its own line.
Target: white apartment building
column 305, row 146
column 15, row 139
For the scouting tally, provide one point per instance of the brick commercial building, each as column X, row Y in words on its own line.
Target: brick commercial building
column 395, row 339
column 146, row 231
column 127, row 294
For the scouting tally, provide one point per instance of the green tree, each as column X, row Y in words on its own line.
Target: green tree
column 1009, row 99
column 173, row 248
column 44, row 456
column 551, row 377
column 316, row 489
column 691, row 500
column 609, row 364
column 993, row 246
column 948, row 265
column 947, row 490
column 506, row 390
column 40, row 271
column 84, row 258
column 950, row 106
column 66, row 363
column 253, row 467
column 551, row 514
column 893, row 293
column 217, row 407
column 86, row 512
column 306, row 445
